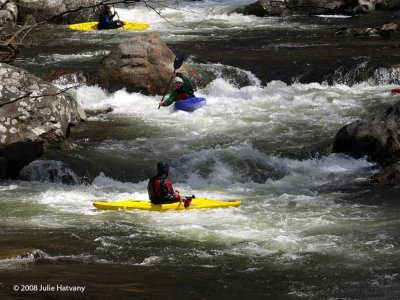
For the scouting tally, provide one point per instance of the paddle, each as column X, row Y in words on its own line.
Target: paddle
column 180, row 57
column 186, row 202
column 115, row 13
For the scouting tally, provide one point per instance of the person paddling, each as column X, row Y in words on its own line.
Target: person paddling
column 183, row 90
column 160, row 189
column 106, row 19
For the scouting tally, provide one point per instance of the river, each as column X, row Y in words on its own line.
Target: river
column 277, row 90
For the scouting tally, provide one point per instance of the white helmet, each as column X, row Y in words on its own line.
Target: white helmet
column 178, row 79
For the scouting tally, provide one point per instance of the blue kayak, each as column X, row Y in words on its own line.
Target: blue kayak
column 190, row 104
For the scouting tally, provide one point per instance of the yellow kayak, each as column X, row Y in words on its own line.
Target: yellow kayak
column 128, row 25
column 196, row 203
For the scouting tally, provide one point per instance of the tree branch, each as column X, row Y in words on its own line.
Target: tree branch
column 15, row 100
column 35, row 97
column 81, row 7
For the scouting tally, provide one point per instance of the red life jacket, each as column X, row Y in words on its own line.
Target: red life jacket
column 182, row 96
column 161, row 191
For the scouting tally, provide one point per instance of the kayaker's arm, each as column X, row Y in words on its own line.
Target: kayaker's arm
column 170, row 99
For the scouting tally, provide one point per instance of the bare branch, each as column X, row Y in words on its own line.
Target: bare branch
column 35, row 97
column 91, row 6
column 15, row 100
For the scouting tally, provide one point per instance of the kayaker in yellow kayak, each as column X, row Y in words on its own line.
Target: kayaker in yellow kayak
column 160, row 188
column 106, row 19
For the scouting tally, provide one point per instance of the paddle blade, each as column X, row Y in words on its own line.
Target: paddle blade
column 180, row 57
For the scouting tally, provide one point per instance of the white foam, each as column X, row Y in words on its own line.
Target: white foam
column 189, row 20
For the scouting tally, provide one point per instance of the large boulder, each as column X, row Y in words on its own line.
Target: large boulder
column 255, row 9
column 8, row 12
column 364, row 6
column 315, row 6
column 34, row 116
column 142, row 63
column 378, row 139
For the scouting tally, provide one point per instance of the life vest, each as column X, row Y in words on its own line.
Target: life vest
column 160, row 190
column 182, row 95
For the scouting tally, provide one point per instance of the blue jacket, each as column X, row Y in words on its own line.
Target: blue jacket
column 106, row 22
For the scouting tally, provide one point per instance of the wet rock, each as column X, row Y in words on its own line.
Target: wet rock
column 282, row 8
column 364, row 6
column 313, row 7
column 20, row 253
column 255, row 9
column 34, row 116
column 390, row 175
column 8, row 12
column 349, row 32
column 48, row 170
column 389, row 28
column 8, row 52
column 378, row 139
column 384, row 31
column 275, row 8
column 264, row 8
column 142, row 63
column 387, row 4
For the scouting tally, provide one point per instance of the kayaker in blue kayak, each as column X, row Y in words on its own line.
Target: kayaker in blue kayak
column 183, row 90
column 160, row 188
column 106, row 19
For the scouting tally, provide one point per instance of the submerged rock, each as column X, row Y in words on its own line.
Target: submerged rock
column 349, row 32
column 142, row 63
column 384, row 31
column 48, row 170
column 20, row 253
column 378, row 139
column 390, row 175
column 34, row 116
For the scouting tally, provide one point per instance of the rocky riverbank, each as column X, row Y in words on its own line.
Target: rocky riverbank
column 315, row 7
column 34, row 116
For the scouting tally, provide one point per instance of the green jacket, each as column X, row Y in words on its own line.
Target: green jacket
column 186, row 91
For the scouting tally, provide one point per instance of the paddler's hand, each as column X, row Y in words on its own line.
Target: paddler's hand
column 161, row 103
column 177, row 195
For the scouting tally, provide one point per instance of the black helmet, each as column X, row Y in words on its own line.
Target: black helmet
column 162, row 168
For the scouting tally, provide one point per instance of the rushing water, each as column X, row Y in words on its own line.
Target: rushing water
column 308, row 228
